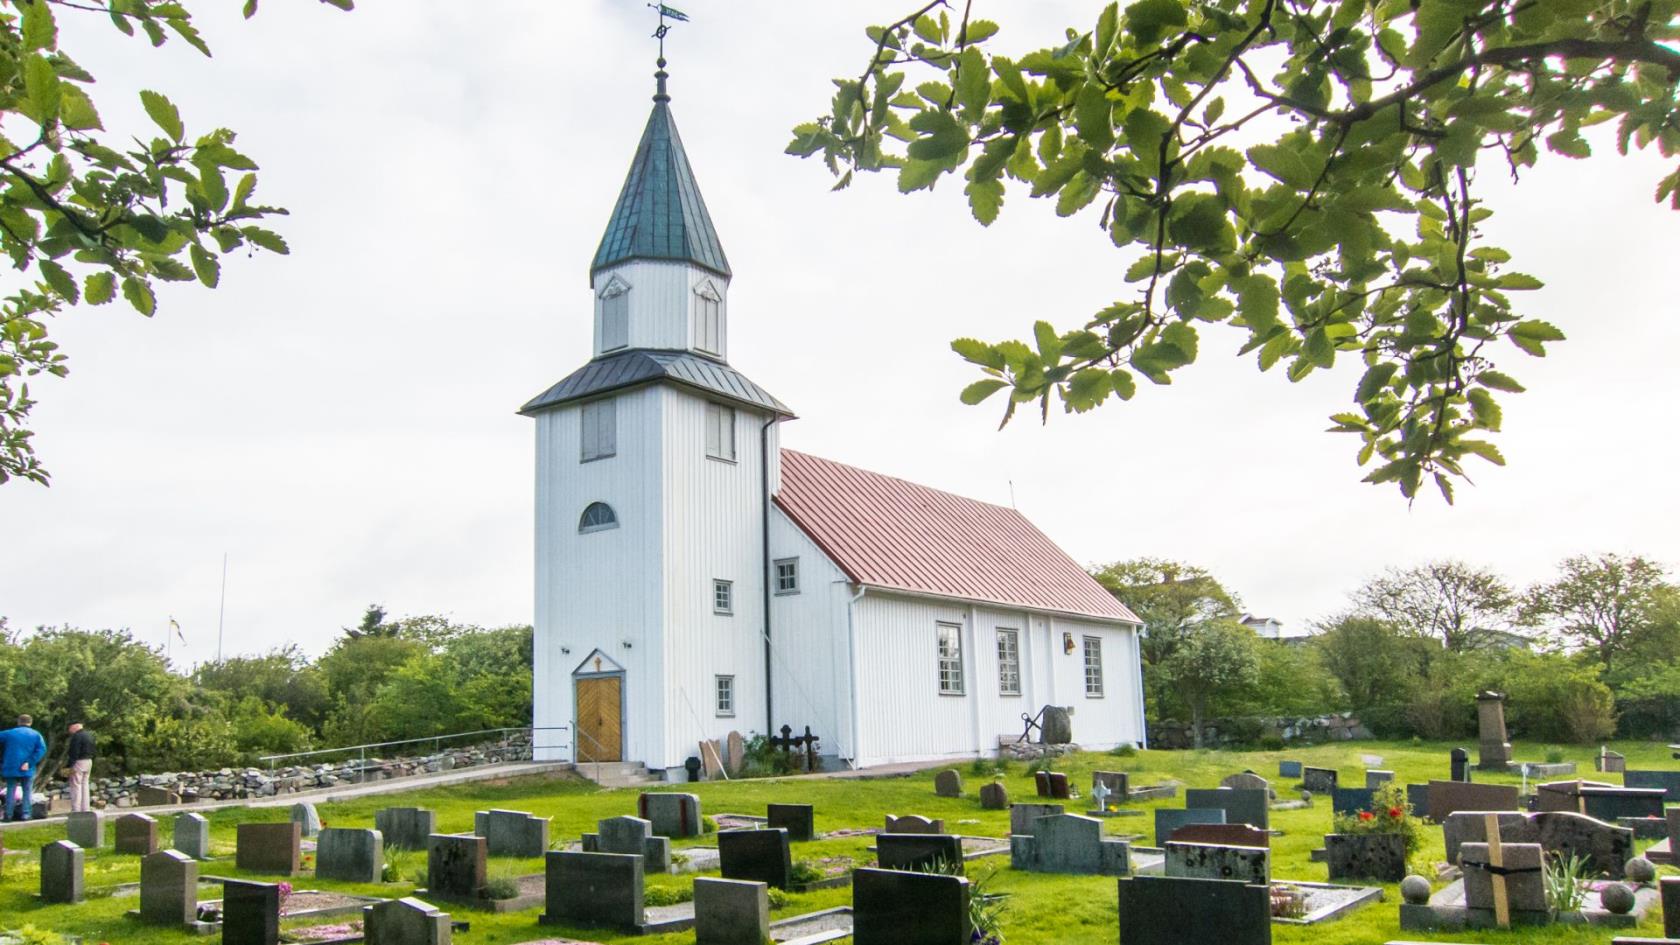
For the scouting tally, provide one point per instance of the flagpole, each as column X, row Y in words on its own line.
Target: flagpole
column 222, row 610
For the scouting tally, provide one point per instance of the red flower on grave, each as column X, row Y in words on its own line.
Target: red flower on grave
column 1367, row 815
column 1396, row 812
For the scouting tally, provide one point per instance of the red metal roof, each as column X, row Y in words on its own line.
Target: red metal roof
column 889, row 533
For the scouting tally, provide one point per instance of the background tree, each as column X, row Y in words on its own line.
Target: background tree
column 85, row 215
column 1217, row 660
column 1601, row 604
column 1376, row 663
column 1347, row 226
column 1451, row 601
column 283, row 678
column 1173, row 599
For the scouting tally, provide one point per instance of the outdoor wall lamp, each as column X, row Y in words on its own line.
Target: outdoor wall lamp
column 1067, row 642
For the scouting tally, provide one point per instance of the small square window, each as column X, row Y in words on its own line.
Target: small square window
column 726, row 696
column 723, row 597
column 787, row 576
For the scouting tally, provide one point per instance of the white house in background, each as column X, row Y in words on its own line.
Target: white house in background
column 1271, row 628
column 694, row 578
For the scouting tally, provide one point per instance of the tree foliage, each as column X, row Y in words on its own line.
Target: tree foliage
column 1460, row 605
column 1302, row 171
column 1170, row 597
column 87, row 214
column 1216, row 659
column 1602, row 604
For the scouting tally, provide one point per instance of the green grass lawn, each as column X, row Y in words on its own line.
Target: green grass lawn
column 1043, row 909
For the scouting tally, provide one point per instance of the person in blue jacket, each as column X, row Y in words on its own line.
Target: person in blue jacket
column 21, row 751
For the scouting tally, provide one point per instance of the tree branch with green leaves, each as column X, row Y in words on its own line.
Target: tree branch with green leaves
column 1301, row 171
column 83, row 218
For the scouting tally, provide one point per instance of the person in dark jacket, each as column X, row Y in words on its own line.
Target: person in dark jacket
column 21, row 751
column 80, row 761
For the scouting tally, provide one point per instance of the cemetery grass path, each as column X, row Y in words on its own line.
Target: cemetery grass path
column 1044, row 909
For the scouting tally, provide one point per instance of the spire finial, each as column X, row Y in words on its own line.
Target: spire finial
column 672, row 12
column 660, row 94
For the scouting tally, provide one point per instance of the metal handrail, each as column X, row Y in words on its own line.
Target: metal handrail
column 435, row 740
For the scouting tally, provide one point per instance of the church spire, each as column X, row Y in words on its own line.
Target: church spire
column 660, row 213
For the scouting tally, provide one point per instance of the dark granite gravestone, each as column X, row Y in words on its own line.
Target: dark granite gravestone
column 136, row 833
column 1250, row 806
column 890, row 907
column 672, row 815
column 405, row 922
column 456, row 865
column 61, row 872
column 350, row 855
column 1068, row 843
column 1058, row 786
column 269, row 848
column 1318, row 780
column 1118, row 783
column 405, row 827
column 1021, row 816
column 1375, row 778
column 1209, row 861
column 1670, row 886
column 1417, row 798
column 799, row 820
column 631, row 835
column 1605, row 847
column 1668, row 781
column 1229, row 835
column 594, row 889
column 730, row 912
column 919, row 851
column 86, row 829
column 192, row 835
column 1352, row 800
column 1170, row 910
column 915, row 823
column 1289, row 769
column 760, row 856
column 250, row 913
column 994, row 796
column 948, row 783
column 168, row 888
column 1356, row 856
column 512, row 832
column 1447, row 797
column 1169, row 819
column 1460, row 765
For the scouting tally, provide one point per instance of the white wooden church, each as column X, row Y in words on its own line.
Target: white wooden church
column 694, row 578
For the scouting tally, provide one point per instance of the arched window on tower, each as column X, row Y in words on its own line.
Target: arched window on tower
column 598, row 517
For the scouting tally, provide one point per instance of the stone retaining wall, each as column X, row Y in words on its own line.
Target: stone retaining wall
column 1220, row 733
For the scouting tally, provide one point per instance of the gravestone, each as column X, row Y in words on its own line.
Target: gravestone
column 192, row 836
column 1241, row 806
column 1172, row 910
column 168, row 888
column 250, row 913
column 269, row 848
column 1318, row 780
column 1417, row 798
column 730, row 912
column 456, row 865
column 948, row 783
column 137, row 833
column 919, row 851
column 1021, row 816
column 1207, row 861
column 61, row 872
column 1448, row 797
column 911, row 823
column 1348, row 800
column 307, row 818
column 1118, row 783
column 1610, row 762
column 1605, row 802
column 1525, row 886
column 1248, row 781
column 1375, row 778
column 634, row 836
column 1670, row 886
column 734, row 752
column 405, row 922
column 1168, row 820
column 892, row 907
column 1052, row 784
column 350, row 855
column 1058, row 726
column 760, row 856
column 1460, row 765
column 1225, row 835
column 593, row 889
column 512, row 832
column 799, row 820
column 1667, row 781
column 86, row 829
column 711, row 759
column 1355, row 856
column 672, row 815
column 994, row 796
column 1289, row 769
column 1605, row 847
column 1493, row 744
column 405, row 827
column 1069, row 843
column 156, row 795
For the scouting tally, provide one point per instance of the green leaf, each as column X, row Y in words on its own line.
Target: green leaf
column 1049, row 343
column 981, row 389
column 61, row 281
column 1375, row 380
column 242, row 193
column 163, row 113
column 39, row 30
column 40, row 83
column 99, row 288
column 1149, row 20
column 915, row 175
column 1284, row 163
column 985, row 199
column 974, row 83
column 1483, row 449
column 979, row 352
column 1107, row 27
column 266, row 239
column 1124, row 385
column 1520, row 282
column 75, row 109
column 943, row 137
column 139, row 295
column 1484, row 408
column 1093, row 116
column 1078, row 194
column 205, row 266
column 1498, row 381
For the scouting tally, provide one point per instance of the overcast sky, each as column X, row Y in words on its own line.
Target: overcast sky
column 341, row 422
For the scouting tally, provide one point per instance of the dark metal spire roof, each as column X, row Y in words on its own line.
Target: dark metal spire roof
column 660, row 214
column 640, row 366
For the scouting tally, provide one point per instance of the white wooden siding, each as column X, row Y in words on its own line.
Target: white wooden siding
column 811, row 655
column 663, row 305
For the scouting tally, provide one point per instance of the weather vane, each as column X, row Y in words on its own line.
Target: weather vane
column 664, row 12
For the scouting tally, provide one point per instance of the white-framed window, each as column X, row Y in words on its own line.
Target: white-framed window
column 726, row 696
column 723, row 597
column 615, row 315
column 720, row 432
column 1009, row 661
column 950, row 659
column 599, row 423
column 787, row 576
column 708, row 318
column 1093, row 668
column 597, row 516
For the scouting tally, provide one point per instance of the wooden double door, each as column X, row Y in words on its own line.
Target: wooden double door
column 600, row 718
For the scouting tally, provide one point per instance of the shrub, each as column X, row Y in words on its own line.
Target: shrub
column 501, row 886
column 1566, row 882
column 1271, row 742
column 708, row 824
column 667, row 895
column 805, row 872
column 1123, row 750
column 1554, row 756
